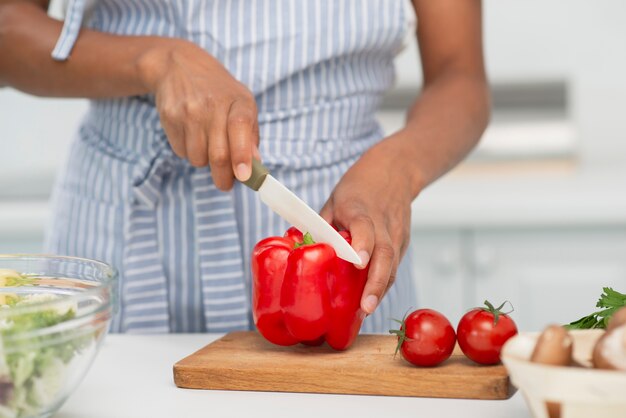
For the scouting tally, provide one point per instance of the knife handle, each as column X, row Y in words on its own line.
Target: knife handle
column 259, row 171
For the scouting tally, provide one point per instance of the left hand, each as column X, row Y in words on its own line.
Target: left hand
column 373, row 201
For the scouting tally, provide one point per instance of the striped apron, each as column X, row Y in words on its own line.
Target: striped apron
column 317, row 70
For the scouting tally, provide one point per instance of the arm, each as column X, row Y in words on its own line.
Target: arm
column 453, row 109
column 373, row 199
column 101, row 65
column 185, row 79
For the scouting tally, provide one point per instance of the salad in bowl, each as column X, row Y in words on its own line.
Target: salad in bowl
column 54, row 313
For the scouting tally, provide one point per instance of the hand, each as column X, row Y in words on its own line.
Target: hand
column 208, row 116
column 373, row 201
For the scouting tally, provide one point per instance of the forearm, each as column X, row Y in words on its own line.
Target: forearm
column 101, row 65
column 445, row 123
column 373, row 198
column 195, row 96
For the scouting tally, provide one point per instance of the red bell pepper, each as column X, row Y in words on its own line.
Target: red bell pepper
column 304, row 293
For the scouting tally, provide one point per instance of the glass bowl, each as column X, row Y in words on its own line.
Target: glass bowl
column 54, row 314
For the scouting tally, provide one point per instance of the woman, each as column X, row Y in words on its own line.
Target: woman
column 185, row 93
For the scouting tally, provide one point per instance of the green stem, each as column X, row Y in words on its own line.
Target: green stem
column 307, row 239
column 496, row 312
column 400, row 333
column 611, row 300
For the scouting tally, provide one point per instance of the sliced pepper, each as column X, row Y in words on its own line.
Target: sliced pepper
column 304, row 293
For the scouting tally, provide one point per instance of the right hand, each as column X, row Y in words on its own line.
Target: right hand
column 208, row 116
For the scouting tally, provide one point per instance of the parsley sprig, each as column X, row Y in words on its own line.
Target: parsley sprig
column 610, row 301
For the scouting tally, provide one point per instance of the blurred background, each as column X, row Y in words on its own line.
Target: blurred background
column 536, row 215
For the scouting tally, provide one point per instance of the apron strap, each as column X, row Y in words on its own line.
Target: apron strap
column 224, row 294
column 145, row 305
column 144, row 300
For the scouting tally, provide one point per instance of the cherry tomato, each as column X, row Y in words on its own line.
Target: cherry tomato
column 483, row 331
column 425, row 338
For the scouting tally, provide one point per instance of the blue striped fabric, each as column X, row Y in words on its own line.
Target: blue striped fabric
column 70, row 30
column 317, row 69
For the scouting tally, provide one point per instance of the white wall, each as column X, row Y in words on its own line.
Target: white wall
column 34, row 136
column 579, row 41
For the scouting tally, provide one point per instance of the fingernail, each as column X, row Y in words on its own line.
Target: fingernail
column 243, row 172
column 370, row 304
column 365, row 258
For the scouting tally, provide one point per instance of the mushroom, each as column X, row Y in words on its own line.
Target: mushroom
column 554, row 347
column 609, row 352
column 618, row 318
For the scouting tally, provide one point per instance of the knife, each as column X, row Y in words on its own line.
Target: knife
column 292, row 209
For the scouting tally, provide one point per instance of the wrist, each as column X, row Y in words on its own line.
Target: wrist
column 401, row 157
column 152, row 63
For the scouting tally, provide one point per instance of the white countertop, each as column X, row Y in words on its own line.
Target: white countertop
column 540, row 195
column 132, row 378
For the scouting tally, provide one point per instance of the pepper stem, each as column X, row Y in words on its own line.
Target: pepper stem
column 307, row 239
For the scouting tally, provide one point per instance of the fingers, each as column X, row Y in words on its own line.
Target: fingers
column 232, row 142
column 327, row 211
column 242, row 137
column 170, row 115
column 402, row 236
column 377, row 244
column 362, row 230
column 219, row 152
column 176, row 135
column 196, row 145
column 223, row 134
column 382, row 265
column 255, row 151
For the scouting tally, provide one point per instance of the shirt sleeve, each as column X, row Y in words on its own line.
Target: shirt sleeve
column 71, row 28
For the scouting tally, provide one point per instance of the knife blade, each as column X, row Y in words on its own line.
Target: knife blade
column 295, row 211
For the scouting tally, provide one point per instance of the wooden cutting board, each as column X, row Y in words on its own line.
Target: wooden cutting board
column 245, row 361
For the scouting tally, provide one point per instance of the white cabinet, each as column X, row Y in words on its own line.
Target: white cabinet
column 440, row 271
column 550, row 275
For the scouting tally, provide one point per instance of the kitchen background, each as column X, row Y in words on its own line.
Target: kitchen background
column 536, row 216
